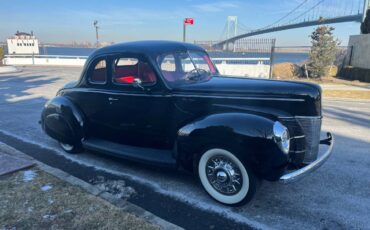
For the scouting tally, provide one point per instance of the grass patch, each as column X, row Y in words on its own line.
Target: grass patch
column 47, row 202
column 351, row 94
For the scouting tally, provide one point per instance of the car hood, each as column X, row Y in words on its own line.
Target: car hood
column 234, row 86
column 281, row 98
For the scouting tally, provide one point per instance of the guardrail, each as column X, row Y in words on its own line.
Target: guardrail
column 44, row 56
column 243, row 66
column 58, row 60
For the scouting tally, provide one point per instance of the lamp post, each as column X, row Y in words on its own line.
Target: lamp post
column 97, row 33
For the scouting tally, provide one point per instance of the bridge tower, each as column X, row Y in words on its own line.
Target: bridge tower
column 232, row 30
column 232, row 26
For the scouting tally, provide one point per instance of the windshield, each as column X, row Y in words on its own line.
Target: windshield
column 186, row 67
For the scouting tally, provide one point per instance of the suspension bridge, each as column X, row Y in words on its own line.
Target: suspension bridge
column 306, row 13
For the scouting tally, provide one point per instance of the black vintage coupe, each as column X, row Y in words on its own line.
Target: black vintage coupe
column 165, row 103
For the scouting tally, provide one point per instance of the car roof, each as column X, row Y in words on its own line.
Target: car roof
column 148, row 47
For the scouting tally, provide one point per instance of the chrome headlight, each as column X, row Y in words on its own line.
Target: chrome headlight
column 281, row 137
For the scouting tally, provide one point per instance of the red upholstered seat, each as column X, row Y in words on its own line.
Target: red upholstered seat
column 125, row 79
column 147, row 74
column 126, row 74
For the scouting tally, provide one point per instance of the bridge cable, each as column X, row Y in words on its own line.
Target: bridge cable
column 285, row 16
column 307, row 11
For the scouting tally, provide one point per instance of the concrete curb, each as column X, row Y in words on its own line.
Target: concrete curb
column 122, row 204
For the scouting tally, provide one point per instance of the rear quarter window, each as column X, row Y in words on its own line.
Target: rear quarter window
column 98, row 73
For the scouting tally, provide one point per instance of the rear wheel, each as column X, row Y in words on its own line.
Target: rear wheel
column 70, row 148
column 225, row 178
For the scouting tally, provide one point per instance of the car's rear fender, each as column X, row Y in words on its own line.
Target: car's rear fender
column 249, row 135
column 63, row 120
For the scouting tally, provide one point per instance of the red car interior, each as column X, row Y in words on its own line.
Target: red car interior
column 127, row 74
column 99, row 75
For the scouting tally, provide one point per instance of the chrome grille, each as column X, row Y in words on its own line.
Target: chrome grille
column 305, row 133
column 311, row 127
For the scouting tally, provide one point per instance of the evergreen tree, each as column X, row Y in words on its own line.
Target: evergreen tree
column 365, row 25
column 323, row 51
column 1, row 55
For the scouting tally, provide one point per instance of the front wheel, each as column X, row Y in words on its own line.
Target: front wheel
column 70, row 148
column 225, row 178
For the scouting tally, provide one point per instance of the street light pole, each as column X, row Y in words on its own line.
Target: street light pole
column 184, row 32
column 96, row 32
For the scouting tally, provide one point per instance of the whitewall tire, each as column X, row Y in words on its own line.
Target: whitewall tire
column 225, row 177
column 69, row 148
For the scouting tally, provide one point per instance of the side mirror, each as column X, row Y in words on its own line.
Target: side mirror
column 137, row 83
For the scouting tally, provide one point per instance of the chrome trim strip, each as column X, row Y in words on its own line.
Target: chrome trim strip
column 144, row 94
column 300, row 173
column 312, row 117
column 179, row 95
column 299, row 151
column 297, row 137
column 242, row 98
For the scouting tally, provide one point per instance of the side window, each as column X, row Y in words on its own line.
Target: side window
column 98, row 75
column 186, row 64
column 168, row 66
column 168, row 63
column 125, row 70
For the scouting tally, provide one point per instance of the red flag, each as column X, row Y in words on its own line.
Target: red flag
column 189, row 21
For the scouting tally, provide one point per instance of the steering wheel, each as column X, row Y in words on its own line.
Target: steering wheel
column 195, row 73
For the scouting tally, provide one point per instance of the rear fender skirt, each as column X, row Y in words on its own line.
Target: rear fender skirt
column 249, row 134
column 63, row 120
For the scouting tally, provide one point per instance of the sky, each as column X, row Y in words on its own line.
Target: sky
column 123, row 20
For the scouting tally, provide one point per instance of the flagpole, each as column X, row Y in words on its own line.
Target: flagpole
column 184, row 32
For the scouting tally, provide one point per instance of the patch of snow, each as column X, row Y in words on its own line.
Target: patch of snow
column 9, row 69
column 49, row 217
column 46, row 187
column 29, row 175
column 116, row 187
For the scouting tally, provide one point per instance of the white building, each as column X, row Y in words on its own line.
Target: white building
column 23, row 43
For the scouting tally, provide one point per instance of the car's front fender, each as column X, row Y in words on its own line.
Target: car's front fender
column 249, row 134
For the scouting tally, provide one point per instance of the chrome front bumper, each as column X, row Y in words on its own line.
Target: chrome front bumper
column 300, row 173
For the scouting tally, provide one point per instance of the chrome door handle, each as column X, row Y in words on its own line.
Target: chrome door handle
column 112, row 99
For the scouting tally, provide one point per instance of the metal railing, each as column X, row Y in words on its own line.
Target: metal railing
column 44, row 56
column 244, row 51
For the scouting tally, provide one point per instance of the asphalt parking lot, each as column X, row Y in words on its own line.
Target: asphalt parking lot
column 336, row 196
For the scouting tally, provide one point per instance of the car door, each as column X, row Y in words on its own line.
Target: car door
column 140, row 115
column 92, row 97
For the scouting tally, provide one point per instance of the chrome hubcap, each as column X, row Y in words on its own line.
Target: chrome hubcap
column 221, row 176
column 224, row 175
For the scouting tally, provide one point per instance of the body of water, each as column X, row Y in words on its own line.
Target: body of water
column 277, row 58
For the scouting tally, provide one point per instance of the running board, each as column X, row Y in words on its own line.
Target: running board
column 144, row 155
